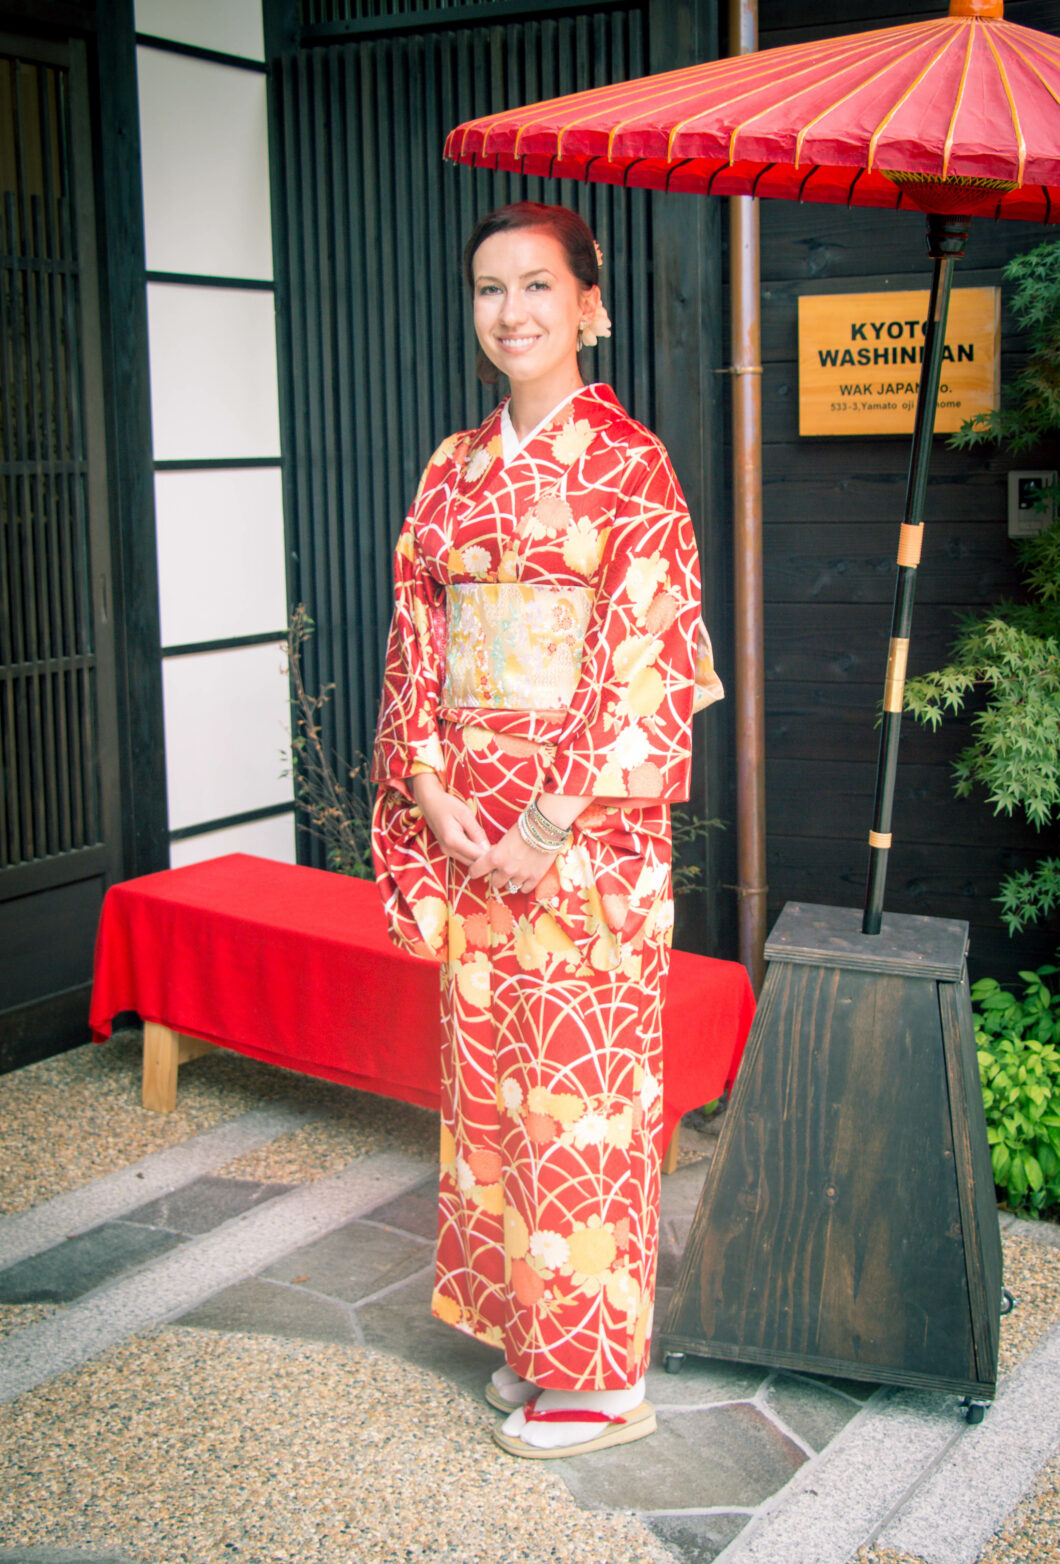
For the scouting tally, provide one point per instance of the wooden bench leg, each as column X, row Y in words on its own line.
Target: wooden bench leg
column 670, row 1159
column 164, row 1052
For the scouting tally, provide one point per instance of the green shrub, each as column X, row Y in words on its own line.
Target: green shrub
column 1019, row 1068
column 1011, row 653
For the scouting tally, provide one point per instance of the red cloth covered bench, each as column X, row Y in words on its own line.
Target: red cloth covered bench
column 293, row 966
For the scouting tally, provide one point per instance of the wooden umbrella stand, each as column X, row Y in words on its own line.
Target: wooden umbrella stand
column 848, row 1222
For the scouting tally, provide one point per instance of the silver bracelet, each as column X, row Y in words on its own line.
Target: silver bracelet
column 533, row 838
column 543, row 825
column 526, row 831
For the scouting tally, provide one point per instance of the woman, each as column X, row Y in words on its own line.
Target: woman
column 539, row 689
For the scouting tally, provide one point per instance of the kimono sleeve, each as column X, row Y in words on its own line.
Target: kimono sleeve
column 407, row 738
column 628, row 729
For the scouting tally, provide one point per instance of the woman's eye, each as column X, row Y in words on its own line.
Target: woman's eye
column 539, row 284
column 487, row 287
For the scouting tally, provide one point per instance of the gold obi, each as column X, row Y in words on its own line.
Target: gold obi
column 514, row 646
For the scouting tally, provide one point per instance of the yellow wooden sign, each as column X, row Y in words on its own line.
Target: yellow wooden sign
column 860, row 356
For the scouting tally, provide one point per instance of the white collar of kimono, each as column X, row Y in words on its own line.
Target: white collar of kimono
column 511, row 444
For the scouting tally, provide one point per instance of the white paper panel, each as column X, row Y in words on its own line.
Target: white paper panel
column 220, row 554
column 272, row 838
column 229, row 26
column 227, row 721
column 213, row 372
column 205, row 156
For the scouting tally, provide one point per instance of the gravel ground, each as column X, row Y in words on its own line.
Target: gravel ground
column 69, row 1119
column 74, row 1117
column 194, row 1447
column 1032, row 1275
column 1031, row 1535
column 14, row 1315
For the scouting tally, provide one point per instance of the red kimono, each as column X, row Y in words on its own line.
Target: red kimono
column 545, row 639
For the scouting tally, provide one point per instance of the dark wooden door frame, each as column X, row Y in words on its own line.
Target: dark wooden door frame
column 105, row 145
column 127, row 411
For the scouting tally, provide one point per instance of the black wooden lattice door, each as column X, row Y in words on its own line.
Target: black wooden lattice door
column 59, row 832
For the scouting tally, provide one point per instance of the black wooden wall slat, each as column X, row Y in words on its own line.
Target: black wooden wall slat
column 380, row 352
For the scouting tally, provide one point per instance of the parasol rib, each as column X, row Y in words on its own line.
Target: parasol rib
column 959, row 99
column 906, row 95
column 851, row 58
column 725, row 75
column 859, row 86
column 1034, row 70
column 1017, row 127
column 731, row 80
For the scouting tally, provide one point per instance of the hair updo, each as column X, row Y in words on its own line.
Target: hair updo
column 570, row 230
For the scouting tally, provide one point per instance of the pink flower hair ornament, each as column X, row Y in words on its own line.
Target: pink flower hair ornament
column 590, row 332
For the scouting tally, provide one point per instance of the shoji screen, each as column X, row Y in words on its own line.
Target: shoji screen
column 222, row 586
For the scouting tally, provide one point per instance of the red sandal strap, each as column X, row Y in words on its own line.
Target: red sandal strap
column 572, row 1415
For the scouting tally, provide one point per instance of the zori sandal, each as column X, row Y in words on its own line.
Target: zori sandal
column 616, row 1430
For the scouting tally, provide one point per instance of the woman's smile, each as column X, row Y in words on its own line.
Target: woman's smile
column 517, row 344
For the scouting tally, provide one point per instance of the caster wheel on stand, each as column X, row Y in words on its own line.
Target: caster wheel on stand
column 674, row 1362
column 974, row 1411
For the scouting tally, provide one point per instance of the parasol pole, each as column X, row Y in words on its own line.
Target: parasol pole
column 946, row 238
column 746, row 370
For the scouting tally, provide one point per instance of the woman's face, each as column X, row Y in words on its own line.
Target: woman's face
column 528, row 307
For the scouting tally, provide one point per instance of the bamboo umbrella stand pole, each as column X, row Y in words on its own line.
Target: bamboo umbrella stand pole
column 946, row 238
column 848, row 1222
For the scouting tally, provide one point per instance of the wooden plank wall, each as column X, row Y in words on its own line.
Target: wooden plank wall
column 831, row 515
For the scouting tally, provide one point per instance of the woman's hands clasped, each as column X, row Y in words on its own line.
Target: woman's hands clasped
column 452, row 823
column 512, row 864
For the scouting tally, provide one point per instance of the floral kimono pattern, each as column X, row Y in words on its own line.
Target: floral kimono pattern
column 545, row 639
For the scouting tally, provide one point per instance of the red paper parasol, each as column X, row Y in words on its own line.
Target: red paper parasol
column 956, row 116
column 874, row 119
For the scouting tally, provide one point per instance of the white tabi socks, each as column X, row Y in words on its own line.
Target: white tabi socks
column 551, row 1435
column 510, row 1387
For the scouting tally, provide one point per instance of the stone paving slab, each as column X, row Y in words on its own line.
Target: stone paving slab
column 750, row 1465
column 401, row 1324
column 79, row 1265
column 204, row 1204
column 415, row 1212
column 703, row 1382
column 355, row 1262
column 263, row 1308
column 960, row 1504
column 697, row 1539
column 813, row 1412
column 909, row 1474
column 718, row 1458
column 837, row 1501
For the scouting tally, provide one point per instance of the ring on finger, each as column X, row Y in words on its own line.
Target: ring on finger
column 513, row 887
